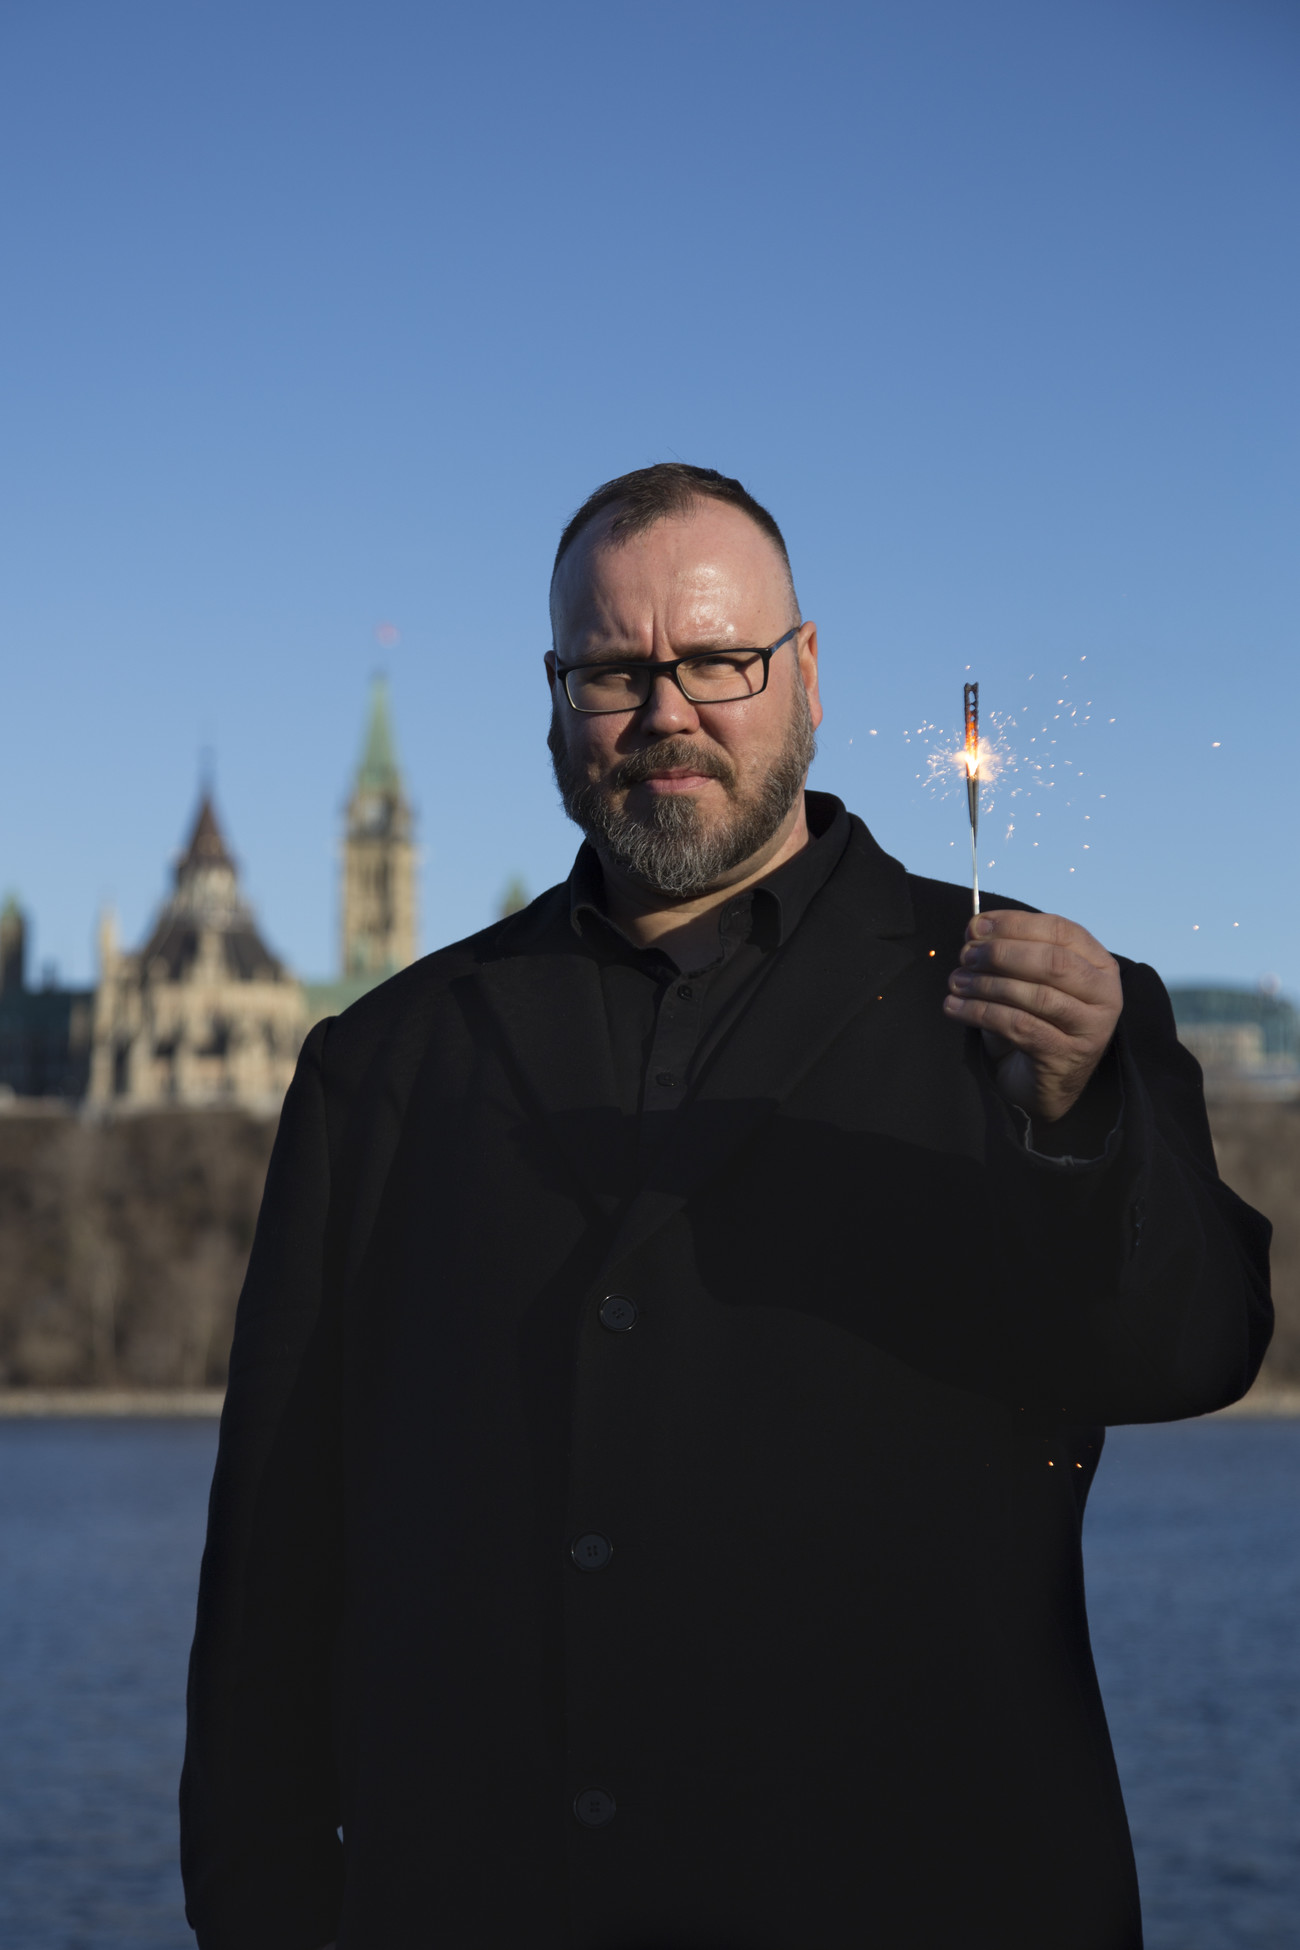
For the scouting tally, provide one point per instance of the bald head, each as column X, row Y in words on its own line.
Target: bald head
column 705, row 577
column 670, row 490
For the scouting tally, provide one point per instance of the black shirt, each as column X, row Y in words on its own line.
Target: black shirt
column 665, row 1022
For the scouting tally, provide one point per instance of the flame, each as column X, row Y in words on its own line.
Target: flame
column 971, row 749
column 979, row 761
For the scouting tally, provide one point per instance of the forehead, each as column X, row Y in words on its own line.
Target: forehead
column 709, row 574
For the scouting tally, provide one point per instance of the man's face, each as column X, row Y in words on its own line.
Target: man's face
column 678, row 794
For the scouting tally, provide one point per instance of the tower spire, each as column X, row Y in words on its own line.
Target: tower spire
column 379, row 858
column 378, row 770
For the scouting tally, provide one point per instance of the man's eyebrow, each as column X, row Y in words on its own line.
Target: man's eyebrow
column 630, row 656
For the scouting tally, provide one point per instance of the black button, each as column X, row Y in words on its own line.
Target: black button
column 686, row 991
column 594, row 1807
column 592, row 1552
column 665, row 1079
column 618, row 1313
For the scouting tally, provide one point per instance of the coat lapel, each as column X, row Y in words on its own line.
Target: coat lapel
column 548, row 1008
column 856, row 938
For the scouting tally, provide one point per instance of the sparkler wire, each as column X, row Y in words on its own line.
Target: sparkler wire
column 971, row 713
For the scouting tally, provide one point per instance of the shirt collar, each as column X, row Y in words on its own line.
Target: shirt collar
column 776, row 904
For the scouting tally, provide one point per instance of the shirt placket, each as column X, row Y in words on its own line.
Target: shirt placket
column 678, row 1023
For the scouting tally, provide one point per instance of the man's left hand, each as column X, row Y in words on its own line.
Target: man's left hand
column 1046, row 998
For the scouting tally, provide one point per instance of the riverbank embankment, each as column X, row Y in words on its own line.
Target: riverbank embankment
column 123, row 1246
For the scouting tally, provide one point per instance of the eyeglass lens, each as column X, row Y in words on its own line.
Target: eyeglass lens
column 719, row 679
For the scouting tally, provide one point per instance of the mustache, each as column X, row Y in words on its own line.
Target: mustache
column 670, row 755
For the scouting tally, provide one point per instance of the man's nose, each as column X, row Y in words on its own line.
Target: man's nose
column 667, row 710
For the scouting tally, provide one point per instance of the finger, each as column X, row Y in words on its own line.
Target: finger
column 1034, row 1034
column 1010, row 924
column 1041, row 1000
column 1042, row 961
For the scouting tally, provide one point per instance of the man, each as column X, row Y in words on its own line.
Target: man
column 674, row 1357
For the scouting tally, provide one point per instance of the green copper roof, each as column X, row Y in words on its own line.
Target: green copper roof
column 378, row 769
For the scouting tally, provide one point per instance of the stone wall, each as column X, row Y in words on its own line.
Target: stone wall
column 1258, row 1148
column 123, row 1244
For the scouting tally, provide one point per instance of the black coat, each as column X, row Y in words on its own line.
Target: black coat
column 832, row 1687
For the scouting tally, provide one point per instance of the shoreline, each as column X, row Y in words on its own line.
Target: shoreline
column 65, row 1403
column 1269, row 1403
column 1276, row 1401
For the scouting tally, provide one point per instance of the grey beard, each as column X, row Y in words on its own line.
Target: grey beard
column 672, row 851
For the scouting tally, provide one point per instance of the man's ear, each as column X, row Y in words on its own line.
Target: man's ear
column 550, row 661
column 807, row 651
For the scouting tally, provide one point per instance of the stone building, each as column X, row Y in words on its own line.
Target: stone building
column 203, row 1013
column 44, row 1031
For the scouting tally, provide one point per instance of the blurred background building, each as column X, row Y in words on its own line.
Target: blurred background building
column 204, row 1014
column 44, row 1031
column 1247, row 1041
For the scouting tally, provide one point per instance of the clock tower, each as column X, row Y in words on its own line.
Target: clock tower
column 379, row 858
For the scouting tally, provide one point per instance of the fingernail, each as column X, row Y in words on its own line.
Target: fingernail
column 952, row 1003
column 960, row 982
column 982, row 926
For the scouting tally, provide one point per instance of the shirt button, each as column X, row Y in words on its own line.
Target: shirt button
column 594, row 1807
column 618, row 1313
column 665, row 1079
column 686, row 991
column 592, row 1552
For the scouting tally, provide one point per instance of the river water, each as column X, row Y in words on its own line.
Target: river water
column 1194, row 1583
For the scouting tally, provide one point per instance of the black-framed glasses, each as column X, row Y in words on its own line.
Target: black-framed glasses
column 705, row 677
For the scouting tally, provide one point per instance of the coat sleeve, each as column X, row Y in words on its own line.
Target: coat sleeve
column 1146, row 1296
column 260, row 1848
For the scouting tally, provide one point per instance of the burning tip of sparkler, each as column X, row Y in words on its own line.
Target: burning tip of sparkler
column 981, row 762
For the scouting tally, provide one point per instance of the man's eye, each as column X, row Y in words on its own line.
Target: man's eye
column 708, row 666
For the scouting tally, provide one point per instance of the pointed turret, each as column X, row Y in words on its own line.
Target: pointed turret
column 207, row 882
column 207, row 901
column 207, row 847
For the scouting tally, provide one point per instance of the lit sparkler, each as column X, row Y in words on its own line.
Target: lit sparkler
column 972, row 755
column 980, row 754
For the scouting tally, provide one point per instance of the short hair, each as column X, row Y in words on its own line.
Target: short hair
column 670, row 487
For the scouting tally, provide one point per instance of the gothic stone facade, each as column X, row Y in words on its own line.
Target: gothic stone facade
column 204, row 1013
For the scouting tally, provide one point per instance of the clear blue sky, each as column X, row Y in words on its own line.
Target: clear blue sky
column 319, row 316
